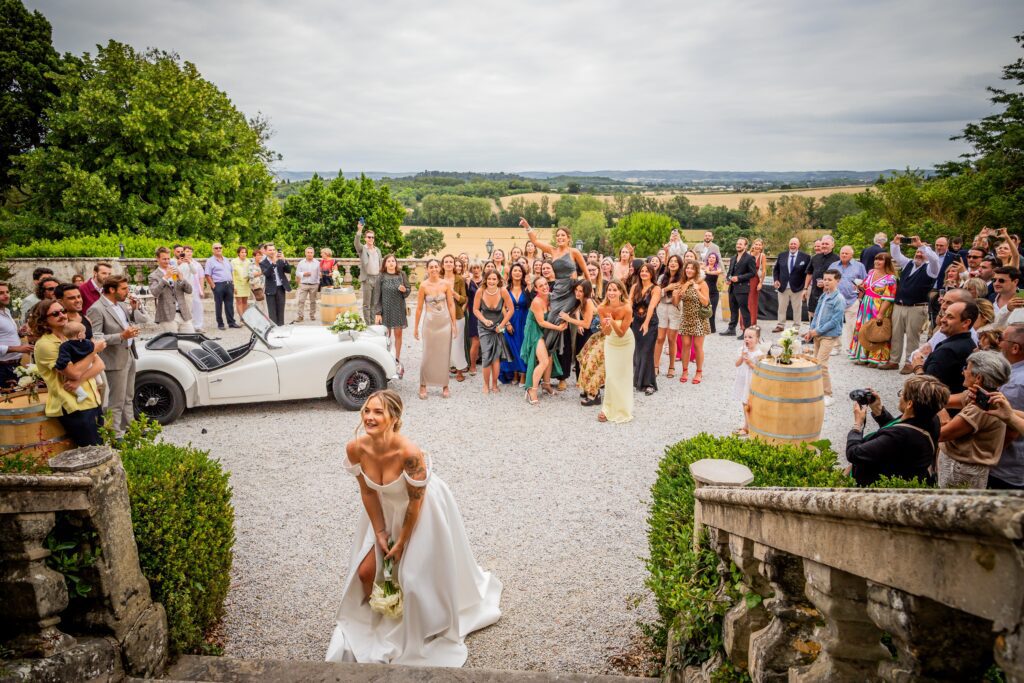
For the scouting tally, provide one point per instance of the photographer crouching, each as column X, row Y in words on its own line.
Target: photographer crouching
column 903, row 447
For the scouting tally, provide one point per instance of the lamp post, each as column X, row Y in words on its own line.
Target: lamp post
column 490, row 247
column 121, row 246
column 579, row 245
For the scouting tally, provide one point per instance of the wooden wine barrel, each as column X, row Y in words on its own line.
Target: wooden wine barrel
column 337, row 300
column 25, row 429
column 787, row 402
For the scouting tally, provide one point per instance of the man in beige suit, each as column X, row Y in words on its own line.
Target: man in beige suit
column 369, row 269
column 172, row 295
column 117, row 322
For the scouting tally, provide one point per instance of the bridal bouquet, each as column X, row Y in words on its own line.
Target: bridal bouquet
column 349, row 321
column 337, row 279
column 386, row 597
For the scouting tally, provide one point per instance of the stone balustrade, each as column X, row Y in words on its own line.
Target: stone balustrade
column 118, row 629
column 138, row 269
column 940, row 572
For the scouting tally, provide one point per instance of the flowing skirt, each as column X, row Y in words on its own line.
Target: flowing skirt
column 515, row 343
column 437, row 348
column 445, row 594
column 458, row 354
column 875, row 354
column 528, row 351
column 618, row 377
column 591, row 360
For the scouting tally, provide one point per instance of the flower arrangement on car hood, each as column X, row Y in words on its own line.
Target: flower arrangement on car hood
column 386, row 596
column 349, row 321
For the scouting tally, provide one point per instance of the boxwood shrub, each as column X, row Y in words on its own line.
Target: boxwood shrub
column 684, row 582
column 184, row 528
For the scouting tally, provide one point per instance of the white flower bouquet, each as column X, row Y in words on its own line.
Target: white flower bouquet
column 788, row 341
column 349, row 321
column 386, row 596
column 30, row 379
column 337, row 278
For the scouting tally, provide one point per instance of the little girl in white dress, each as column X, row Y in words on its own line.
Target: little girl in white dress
column 749, row 353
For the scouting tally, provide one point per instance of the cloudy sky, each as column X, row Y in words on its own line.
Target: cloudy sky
column 396, row 85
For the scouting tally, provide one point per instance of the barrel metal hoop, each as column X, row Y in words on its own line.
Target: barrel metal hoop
column 805, row 378
column 786, row 400
column 22, row 411
column 788, row 437
column 788, row 370
column 24, row 421
column 23, row 446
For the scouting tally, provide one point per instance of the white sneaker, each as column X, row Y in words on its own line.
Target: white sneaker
column 835, row 352
column 829, row 401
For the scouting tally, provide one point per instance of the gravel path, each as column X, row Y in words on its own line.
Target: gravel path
column 554, row 503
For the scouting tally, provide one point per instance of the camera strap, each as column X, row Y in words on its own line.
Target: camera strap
column 918, row 429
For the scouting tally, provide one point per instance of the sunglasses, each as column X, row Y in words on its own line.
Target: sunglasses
column 50, row 289
column 56, row 314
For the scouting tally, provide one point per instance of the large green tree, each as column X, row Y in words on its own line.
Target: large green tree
column 990, row 177
column 325, row 214
column 26, row 58
column 646, row 231
column 140, row 141
column 425, row 241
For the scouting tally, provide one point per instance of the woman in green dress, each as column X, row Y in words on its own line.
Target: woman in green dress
column 539, row 360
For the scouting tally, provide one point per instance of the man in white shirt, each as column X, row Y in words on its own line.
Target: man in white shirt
column 11, row 347
column 307, row 272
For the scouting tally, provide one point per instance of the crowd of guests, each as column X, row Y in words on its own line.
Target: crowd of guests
column 547, row 314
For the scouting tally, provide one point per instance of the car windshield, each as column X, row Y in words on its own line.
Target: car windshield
column 258, row 322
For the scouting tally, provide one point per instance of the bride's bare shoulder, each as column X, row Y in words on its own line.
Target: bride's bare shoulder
column 355, row 448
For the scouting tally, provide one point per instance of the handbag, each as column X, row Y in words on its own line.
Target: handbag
column 258, row 294
column 704, row 312
column 878, row 331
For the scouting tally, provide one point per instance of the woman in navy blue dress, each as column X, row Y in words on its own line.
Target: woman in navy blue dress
column 514, row 371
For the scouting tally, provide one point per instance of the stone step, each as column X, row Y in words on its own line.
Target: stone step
column 227, row 670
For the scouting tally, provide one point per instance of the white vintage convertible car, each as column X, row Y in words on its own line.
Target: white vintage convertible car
column 179, row 371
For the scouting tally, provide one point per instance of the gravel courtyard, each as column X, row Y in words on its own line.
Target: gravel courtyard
column 554, row 503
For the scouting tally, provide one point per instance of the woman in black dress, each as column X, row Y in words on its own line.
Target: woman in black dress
column 389, row 300
column 712, row 269
column 645, row 296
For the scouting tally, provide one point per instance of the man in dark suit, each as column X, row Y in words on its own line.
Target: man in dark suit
column 867, row 257
column 741, row 269
column 275, row 271
column 789, row 274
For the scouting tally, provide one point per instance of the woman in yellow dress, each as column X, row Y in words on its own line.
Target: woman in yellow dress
column 241, row 271
column 616, row 316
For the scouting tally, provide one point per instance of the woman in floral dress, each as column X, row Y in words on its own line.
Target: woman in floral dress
column 878, row 293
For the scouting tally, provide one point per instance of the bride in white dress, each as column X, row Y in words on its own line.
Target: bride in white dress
column 446, row 595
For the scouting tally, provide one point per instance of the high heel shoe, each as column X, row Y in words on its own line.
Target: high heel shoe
column 683, row 378
column 546, row 386
column 531, row 401
column 698, row 376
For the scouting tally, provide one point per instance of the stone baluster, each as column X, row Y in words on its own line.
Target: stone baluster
column 346, row 272
column 747, row 615
column 123, row 605
column 32, row 594
column 851, row 644
column 787, row 640
column 933, row 642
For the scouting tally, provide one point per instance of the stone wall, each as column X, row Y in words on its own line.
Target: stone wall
column 941, row 572
column 119, row 631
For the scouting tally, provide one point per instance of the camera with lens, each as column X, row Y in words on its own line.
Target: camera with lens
column 863, row 397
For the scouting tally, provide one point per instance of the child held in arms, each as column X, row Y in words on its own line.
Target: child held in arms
column 73, row 350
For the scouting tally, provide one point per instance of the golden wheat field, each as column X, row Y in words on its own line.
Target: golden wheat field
column 729, row 200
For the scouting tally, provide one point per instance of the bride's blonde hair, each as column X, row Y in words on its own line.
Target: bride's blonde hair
column 392, row 404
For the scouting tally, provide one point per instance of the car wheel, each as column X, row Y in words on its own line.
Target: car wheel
column 159, row 397
column 355, row 381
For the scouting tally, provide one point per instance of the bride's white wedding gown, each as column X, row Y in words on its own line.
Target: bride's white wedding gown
column 446, row 594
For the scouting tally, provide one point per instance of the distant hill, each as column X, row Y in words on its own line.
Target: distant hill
column 654, row 177
column 642, row 177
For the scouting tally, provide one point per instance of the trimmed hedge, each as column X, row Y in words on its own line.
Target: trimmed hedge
column 102, row 246
column 184, row 528
column 685, row 582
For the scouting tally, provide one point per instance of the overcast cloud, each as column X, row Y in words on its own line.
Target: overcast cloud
column 583, row 85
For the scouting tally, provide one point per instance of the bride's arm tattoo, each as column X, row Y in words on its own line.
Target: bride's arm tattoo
column 413, row 466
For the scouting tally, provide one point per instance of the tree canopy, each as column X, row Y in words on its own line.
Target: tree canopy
column 425, row 241
column 326, row 214
column 647, row 232
column 142, row 142
column 26, row 57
